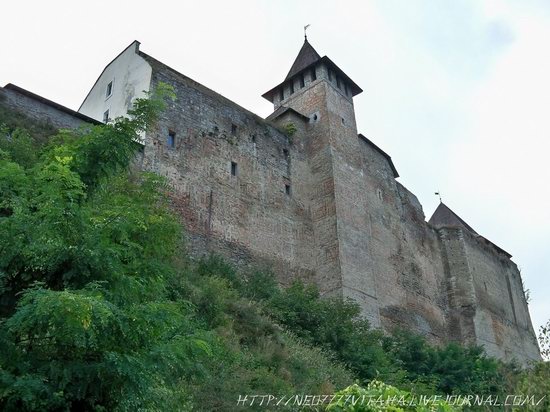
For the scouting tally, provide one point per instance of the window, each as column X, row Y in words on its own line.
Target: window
column 346, row 88
column 329, row 75
column 282, row 93
column 233, row 129
column 106, row 116
column 287, row 189
column 233, row 169
column 109, row 89
column 338, row 84
column 302, row 80
column 313, row 75
column 171, row 139
column 254, row 138
column 343, row 121
column 291, row 86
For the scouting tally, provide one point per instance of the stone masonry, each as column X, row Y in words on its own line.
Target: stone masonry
column 301, row 192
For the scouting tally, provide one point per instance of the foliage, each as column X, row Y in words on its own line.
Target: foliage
column 333, row 324
column 101, row 309
column 535, row 382
column 544, row 340
column 11, row 120
column 402, row 359
column 17, row 146
column 378, row 397
column 252, row 354
column 84, row 265
column 290, row 129
column 450, row 369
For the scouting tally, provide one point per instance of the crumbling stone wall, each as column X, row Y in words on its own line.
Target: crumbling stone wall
column 347, row 224
column 502, row 322
column 247, row 217
column 41, row 110
column 319, row 188
column 404, row 252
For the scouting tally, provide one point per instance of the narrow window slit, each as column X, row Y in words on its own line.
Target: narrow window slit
column 171, row 139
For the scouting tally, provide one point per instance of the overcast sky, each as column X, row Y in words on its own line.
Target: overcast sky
column 457, row 92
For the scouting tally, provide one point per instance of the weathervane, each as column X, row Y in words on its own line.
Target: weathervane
column 438, row 193
column 305, row 30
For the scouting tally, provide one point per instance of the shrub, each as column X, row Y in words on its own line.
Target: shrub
column 378, row 397
column 535, row 382
column 84, row 264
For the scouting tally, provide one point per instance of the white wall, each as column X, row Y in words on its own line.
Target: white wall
column 131, row 77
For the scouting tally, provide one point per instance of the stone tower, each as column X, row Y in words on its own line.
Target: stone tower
column 319, row 89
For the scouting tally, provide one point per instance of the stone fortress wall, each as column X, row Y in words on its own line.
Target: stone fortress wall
column 322, row 204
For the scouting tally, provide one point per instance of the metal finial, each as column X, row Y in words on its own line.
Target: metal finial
column 438, row 193
column 305, row 31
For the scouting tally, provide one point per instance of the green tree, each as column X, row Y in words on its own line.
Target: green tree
column 85, row 260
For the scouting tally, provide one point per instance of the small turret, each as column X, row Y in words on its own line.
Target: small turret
column 308, row 68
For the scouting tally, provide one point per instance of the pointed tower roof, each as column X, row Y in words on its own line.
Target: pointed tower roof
column 444, row 216
column 306, row 59
column 306, row 56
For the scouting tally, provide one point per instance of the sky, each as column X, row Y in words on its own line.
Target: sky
column 456, row 91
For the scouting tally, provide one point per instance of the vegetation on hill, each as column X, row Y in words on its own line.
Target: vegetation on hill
column 101, row 309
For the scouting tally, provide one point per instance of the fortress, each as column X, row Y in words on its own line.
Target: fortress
column 307, row 195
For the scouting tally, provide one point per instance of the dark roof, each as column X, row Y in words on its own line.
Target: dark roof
column 306, row 59
column 383, row 153
column 444, row 216
column 306, row 56
column 282, row 110
column 50, row 103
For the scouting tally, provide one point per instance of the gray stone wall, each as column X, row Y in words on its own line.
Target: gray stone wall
column 41, row 110
column 347, row 224
column 502, row 322
column 404, row 252
column 320, row 188
column 247, row 217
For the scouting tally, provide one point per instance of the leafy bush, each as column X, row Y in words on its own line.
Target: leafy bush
column 252, row 354
column 335, row 325
column 378, row 397
column 84, row 265
column 450, row 369
column 535, row 382
column 18, row 146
